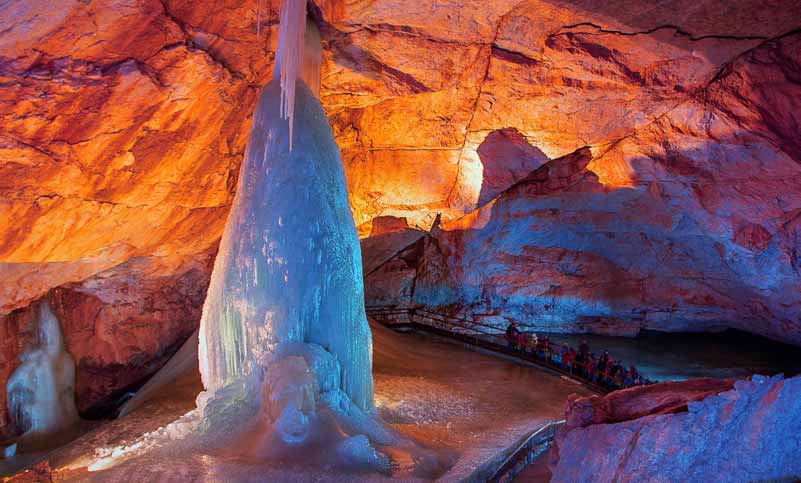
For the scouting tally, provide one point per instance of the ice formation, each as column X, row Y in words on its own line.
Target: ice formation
column 289, row 267
column 298, row 55
column 284, row 348
column 283, row 326
column 289, row 264
column 41, row 391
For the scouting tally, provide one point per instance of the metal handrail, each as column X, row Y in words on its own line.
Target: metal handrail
column 417, row 309
column 511, row 466
column 479, row 332
column 451, row 317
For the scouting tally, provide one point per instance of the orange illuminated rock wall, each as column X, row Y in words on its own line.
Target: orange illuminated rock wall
column 122, row 126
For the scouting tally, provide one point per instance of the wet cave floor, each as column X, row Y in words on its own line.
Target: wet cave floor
column 465, row 406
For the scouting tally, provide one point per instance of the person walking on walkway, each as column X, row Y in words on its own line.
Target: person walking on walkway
column 521, row 341
column 584, row 350
column 512, row 334
column 546, row 348
column 570, row 360
column 556, row 358
column 531, row 343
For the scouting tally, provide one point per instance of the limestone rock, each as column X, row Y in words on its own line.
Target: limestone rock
column 689, row 224
column 383, row 225
column 747, row 433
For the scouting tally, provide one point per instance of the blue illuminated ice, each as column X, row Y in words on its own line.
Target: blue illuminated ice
column 289, row 267
column 283, row 331
column 284, row 348
column 41, row 391
column 283, row 328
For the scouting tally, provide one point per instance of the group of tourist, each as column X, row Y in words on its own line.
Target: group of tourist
column 602, row 369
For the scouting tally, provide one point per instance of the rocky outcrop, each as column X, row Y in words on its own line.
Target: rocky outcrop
column 748, row 433
column 564, row 75
column 389, row 236
column 385, row 225
column 640, row 401
column 666, row 229
column 506, row 158
column 119, row 326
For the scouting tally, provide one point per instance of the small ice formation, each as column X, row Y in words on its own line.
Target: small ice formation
column 41, row 391
column 298, row 55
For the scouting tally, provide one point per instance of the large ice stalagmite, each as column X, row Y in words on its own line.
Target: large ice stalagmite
column 41, row 391
column 289, row 265
column 288, row 270
column 284, row 348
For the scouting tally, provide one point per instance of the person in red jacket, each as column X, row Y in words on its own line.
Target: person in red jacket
column 521, row 341
column 570, row 360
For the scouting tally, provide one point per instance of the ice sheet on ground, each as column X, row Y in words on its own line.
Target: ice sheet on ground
column 464, row 405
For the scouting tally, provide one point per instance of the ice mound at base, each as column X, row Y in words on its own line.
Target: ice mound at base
column 41, row 391
column 750, row 433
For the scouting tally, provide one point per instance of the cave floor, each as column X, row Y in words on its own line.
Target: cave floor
column 466, row 407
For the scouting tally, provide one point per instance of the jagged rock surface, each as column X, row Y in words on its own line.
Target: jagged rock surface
column 749, row 433
column 122, row 126
column 691, row 223
column 640, row 401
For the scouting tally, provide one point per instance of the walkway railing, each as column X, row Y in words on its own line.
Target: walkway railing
column 527, row 452
column 484, row 336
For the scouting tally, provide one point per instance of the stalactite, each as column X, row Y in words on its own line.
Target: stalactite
column 289, row 55
column 258, row 20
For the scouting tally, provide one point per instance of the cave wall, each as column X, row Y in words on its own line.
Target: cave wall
column 123, row 123
column 119, row 326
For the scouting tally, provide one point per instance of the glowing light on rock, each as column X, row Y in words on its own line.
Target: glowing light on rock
column 475, row 220
column 470, row 176
column 613, row 170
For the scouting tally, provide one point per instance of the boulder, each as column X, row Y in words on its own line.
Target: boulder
column 639, row 401
column 743, row 434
